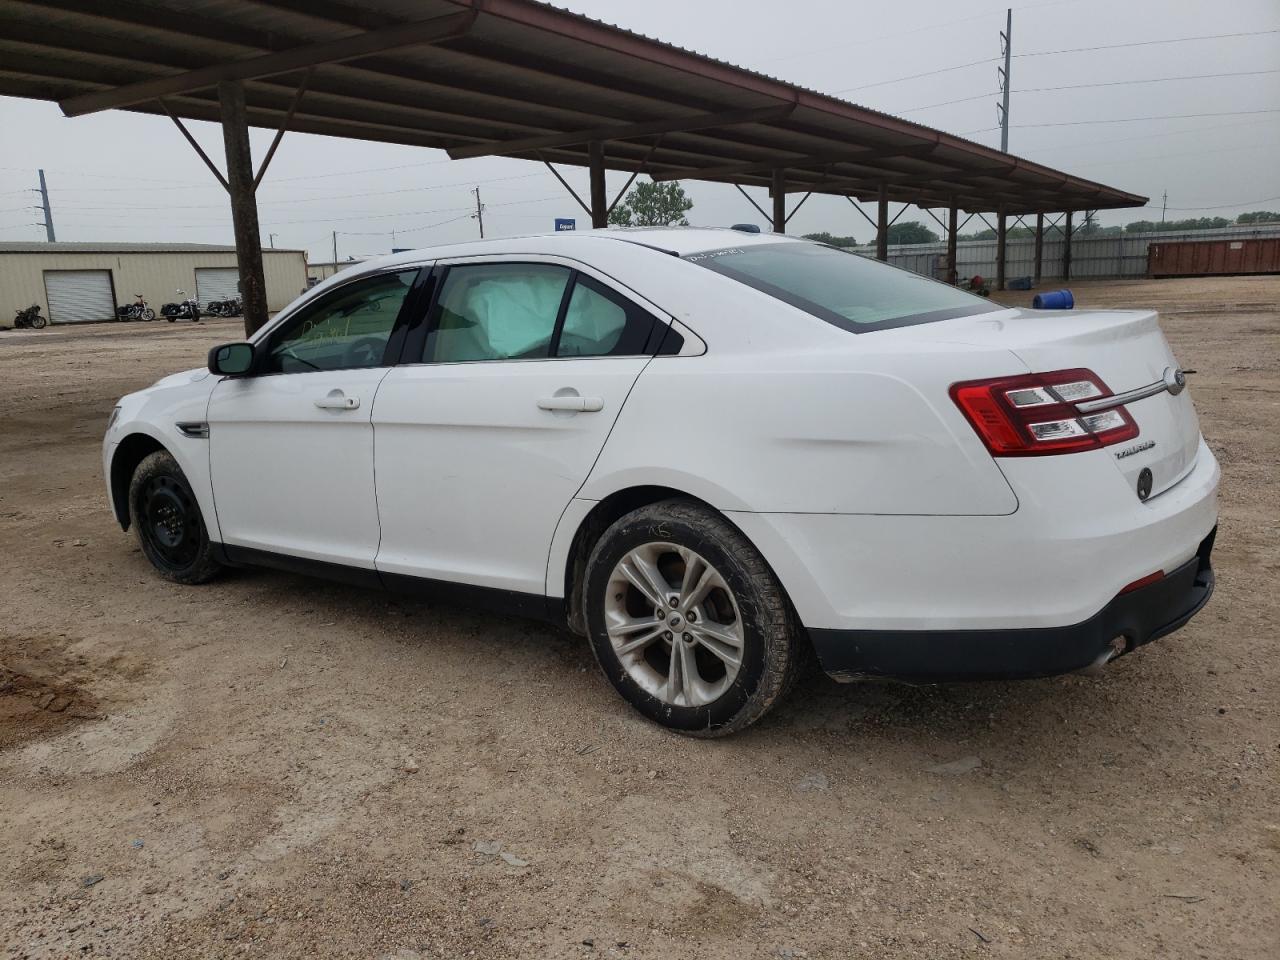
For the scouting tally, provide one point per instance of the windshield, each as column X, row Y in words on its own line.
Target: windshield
column 851, row 291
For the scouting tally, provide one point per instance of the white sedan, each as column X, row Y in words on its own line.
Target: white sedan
column 710, row 452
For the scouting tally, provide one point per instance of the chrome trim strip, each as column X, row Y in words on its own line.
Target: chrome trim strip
column 1174, row 381
column 196, row 430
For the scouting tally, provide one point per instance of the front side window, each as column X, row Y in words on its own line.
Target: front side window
column 496, row 311
column 347, row 330
column 845, row 289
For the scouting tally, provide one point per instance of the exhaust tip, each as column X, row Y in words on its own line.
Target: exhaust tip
column 1115, row 648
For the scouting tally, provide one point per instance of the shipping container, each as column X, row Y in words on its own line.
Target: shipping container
column 1213, row 258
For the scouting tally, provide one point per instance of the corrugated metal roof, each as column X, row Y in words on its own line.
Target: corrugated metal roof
column 88, row 246
column 502, row 73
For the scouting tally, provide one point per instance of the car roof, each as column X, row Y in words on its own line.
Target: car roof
column 679, row 241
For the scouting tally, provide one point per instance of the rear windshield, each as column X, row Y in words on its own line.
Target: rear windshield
column 851, row 291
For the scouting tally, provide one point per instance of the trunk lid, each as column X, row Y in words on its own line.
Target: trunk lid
column 1127, row 349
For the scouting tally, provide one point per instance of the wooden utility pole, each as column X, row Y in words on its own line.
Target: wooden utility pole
column 479, row 211
column 244, row 207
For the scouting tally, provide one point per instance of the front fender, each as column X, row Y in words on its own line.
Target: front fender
column 149, row 420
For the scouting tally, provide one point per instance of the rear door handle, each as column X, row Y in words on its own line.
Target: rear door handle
column 337, row 400
column 573, row 403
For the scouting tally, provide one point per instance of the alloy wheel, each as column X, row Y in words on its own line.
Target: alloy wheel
column 674, row 624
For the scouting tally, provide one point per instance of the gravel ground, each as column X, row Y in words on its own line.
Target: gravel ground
column 275, row 766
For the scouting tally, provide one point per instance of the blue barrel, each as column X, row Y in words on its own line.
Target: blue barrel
column 1053, row 300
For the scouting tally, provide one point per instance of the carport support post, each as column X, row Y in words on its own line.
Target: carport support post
column 779, row 191
column 599, row 201
column 244, row 204
column 1039, row 245
column 1066, row 248
column 952, row 230
column 1002, row 235
column 882, row 224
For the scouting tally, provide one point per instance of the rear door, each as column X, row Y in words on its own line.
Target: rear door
column 481, row 445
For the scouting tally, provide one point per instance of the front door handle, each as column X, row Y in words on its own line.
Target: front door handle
column 337, row 400
column 573, row 403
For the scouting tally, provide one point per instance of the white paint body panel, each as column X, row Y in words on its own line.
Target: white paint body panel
column 290, row 477
column 841, row 456
column 472, row 476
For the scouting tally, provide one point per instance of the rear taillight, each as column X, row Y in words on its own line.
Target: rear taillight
column 1035, row 414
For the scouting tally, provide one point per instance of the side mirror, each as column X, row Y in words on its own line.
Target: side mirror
column 231, row 359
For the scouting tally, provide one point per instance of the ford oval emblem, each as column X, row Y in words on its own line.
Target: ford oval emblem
column 1145, row 481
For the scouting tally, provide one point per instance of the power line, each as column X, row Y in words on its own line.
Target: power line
column 1227, row 206
column 1179, row 116
column 916, row 76
column 1168, row 116
column 947, row 103
column 1121, row 83
column 1147, row 43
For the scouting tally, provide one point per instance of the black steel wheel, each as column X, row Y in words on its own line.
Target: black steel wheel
column 171, row 531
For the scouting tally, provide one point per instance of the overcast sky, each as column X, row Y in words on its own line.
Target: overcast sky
column 121, row 176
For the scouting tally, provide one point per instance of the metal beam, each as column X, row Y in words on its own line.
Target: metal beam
column 627, row 131
column 1066, row 248
column 750, row 201
column 195, row 146
column 272, row 64
column 882, row 225
column 952, row 230
column 1039, row 247
column 599, row 198
column 779, row 194
column 565, row 183
column 244, row 206
column 284, row 125
column 795, row 162
column 1002, row 237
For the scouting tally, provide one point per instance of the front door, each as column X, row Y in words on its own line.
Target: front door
column 481, row 446
column 291, row 447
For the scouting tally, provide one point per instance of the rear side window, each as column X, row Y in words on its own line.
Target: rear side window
column 850, row 291
column 599, row 323
column 531, row 311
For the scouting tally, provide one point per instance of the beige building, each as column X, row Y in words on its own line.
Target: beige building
column 77, row 282
column 316, row 272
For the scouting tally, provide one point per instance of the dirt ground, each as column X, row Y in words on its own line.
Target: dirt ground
column 279, row 767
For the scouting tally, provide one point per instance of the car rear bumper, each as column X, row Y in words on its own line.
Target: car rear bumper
column 1138, row 617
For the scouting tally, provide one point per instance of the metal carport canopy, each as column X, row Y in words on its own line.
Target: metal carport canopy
column 502, row 77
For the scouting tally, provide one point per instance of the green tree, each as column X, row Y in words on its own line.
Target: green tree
column 653, row 205
column 831, row 240
column 1258, row 216
column 911, row 232
column 1195, row 223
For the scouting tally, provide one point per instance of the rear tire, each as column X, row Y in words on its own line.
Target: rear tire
column 171, row 531
column 687, row 620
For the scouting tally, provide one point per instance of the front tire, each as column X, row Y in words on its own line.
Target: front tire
column 171, row 531
column 687, row 620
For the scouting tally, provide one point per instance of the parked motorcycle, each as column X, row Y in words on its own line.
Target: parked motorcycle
column 186, row 309
column 225, row 308
column 30, row 317
column 138, row 310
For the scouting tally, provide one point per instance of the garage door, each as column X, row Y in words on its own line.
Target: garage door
column 78, row 295
column 216, row 283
